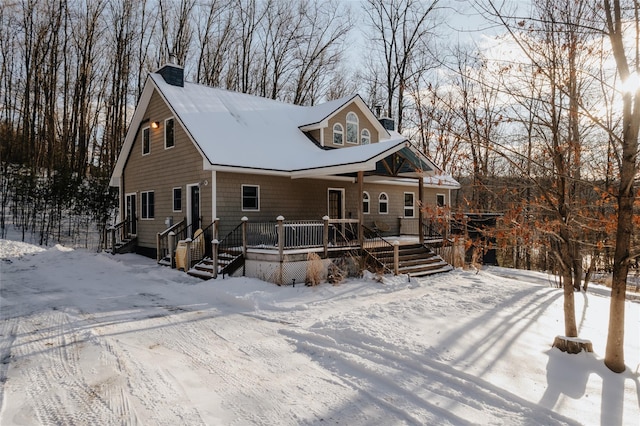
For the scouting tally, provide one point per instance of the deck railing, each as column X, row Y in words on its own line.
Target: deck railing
column 116, row 233
column 162, row 239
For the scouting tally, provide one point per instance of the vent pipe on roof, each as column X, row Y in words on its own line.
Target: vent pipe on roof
column 172, row 72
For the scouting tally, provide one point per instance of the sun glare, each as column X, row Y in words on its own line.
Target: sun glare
column 631, row 84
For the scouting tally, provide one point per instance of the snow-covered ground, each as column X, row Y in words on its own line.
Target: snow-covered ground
column 94, row 339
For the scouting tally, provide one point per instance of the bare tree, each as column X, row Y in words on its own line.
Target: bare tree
column 402, row 30
column 626, row 58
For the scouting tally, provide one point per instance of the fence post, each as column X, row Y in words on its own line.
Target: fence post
column 244, row 235
column 113, row 240
column 172, row 249
column 325, row 236
column 280, row 220
column 216, row 224
column 396, row 257
column 214, row 255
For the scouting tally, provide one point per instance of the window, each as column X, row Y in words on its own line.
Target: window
column 337, row 134
column 146, row 142
column 352, row 128
column 409, row 209
column 365, row 202
column 177, row 199
column 383, row 203
column 250, row 198
column 365, row 137
column 169, row 138
column 147, row 205
column 440, row 200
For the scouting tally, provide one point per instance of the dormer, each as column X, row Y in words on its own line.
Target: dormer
column 344, row 123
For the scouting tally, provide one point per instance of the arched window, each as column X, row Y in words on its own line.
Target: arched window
column 338, row 134
column 383, row 203
column 352, row 128
column 365, row 202
column 365, row 137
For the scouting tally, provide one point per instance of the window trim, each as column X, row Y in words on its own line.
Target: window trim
column 385, row 202
column 242, row 206
column 146, row 130
column 412, row 207
column 338, row 132
column 363, row 137
column 444, row 200
column 367, row 201
column 145, row 214
column 173, row 196
column 173, row 131
column 355, row 123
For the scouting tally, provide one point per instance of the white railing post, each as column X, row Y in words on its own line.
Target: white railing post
column 244, row 235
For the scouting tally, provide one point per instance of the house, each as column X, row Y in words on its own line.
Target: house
column 203, row 158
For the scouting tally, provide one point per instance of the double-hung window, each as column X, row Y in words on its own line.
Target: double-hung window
column 440, row 200
column 147, row 200
column 250, row 198
column 177, row 199
column 409, row 206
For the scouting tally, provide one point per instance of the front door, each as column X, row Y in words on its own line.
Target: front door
column 130, row 213
column 336, row 204
column 194, row 207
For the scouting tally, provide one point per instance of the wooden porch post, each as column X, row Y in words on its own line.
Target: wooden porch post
column 214, row 257
column 420, row 209
column 360, row 217
column 325, row 236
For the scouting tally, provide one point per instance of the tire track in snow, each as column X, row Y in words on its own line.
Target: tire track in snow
column 56, row 385
column 417, row 392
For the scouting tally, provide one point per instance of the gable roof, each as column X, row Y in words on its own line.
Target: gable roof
column 240, row 132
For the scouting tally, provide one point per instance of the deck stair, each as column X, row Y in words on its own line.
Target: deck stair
column 414, row 259
column 229, row 260
column 125, row 245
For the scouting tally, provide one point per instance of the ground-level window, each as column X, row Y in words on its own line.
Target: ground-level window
column 365, row 202
column 250, row 198
column 146, row 142
column 169, row 136
column 383, row 203
column 440, row 200
column 409, row 206
column 177, row 199
column 338, row 134
column 147, row 205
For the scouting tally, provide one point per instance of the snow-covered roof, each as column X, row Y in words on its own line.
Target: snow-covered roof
column 237, row 131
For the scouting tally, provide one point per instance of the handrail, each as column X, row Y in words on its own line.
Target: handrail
column 162, row 241
column 383, row 249
column 171, row 228
column 202, row 249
